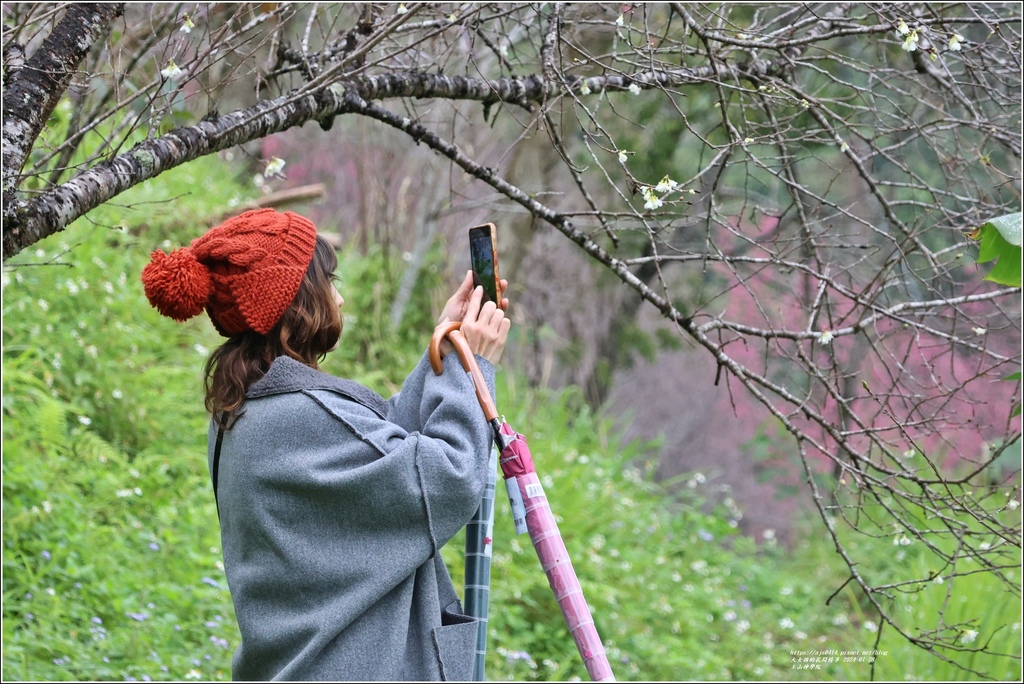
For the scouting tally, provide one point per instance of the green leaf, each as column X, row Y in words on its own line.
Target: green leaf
column 1001, row 240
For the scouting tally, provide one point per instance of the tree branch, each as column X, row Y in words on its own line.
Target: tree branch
column 34, row 88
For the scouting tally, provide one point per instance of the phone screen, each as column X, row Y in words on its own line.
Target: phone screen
column 484, row 256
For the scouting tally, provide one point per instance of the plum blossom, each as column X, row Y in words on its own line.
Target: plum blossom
column 666, row 184
column 187, row 25
column 274, row 167
column 954, row 42
column 652, row 201
column 825, row 337
column 634, row 88
column 171, row 71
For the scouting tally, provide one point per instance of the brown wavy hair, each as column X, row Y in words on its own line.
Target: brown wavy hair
column 308, row 329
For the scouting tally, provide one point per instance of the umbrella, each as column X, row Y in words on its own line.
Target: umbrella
column 479, row 533
column 531, row 513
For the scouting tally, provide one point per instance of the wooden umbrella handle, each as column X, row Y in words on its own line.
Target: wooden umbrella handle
column 451, row 331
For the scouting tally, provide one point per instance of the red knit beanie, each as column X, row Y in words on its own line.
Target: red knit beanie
column 245, row 272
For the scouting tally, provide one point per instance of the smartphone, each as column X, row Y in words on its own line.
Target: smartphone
column 483, row 252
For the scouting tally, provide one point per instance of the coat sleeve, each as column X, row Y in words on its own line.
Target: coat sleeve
column 406, row 407
column 432, row 452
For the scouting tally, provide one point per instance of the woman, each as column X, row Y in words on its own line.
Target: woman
column 333, row 503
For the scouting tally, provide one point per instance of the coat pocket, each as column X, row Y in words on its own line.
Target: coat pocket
column 455, row 641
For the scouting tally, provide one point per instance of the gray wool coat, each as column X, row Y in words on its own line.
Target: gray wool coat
column 334, row 505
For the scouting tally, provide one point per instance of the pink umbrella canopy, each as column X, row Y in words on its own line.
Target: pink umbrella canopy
column 523, row 483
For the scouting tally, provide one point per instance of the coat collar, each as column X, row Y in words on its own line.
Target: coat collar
column 288, row 375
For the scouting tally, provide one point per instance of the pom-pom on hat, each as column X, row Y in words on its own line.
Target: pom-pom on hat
column 245, row 272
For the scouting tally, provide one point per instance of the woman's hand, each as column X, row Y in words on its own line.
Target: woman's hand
column 458, row 305
column 455, row 309
column 485, row 326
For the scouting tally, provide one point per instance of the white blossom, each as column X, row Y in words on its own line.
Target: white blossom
column 274, row 167
column 825, row 337
column 666, row 184
column 1012, row 504
column 620, row 21
column 979, row 331
column 85, row 420
column 188, row 25
column 652, row 200
column 402, row 9
column 172, row 70
column 786, row 623
column 902, row 29
column 939, row 579
column 910, row 42
column 870, row 626
column 634, row 88
column 968, row 636
column 622, row 157
column 954, row 42
column 844, row 147
column 584, row 89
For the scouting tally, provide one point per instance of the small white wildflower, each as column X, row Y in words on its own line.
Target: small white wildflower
column 729, row 616
column 123, row 493
column 870, row 626
column 768, row 534
column 979, row 331
column 786, row 623
column 844, row 147
column 805, row 104
column 666, row 184
column 452, row 18
column 585, row 89
column 188, row 25
column 43, row 304
column 402, row 9
column 954, row 42
column 748, row 141
column 172, row 70
column 786, row 591
column 85, row 420
column 742, row 626
column 634, row 88
column 274, row 167
column 48, row 507
column 968, row 636
column 825, row 337
column 621, row 21
column 622, row 157
column 51, row 591
column 902, row 29
column 910, row 42
column 193, row 674
column 201, row 350
column 117, row 394
column 909, row 453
